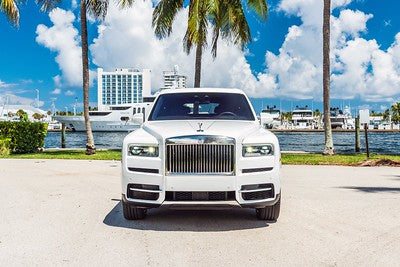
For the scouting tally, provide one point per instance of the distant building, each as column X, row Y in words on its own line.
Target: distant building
column 9, row 112
column 122, row 87
column 172, row 79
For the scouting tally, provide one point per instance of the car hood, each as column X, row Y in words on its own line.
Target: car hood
column 166, row 129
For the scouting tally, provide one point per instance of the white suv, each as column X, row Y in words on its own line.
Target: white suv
column 201, row 148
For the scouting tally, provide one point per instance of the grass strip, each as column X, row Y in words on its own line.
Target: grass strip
column 339, row 159
column 294, row 159
column 69, row 154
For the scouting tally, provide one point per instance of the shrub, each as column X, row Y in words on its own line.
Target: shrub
column 4, row 146
column 25, row 136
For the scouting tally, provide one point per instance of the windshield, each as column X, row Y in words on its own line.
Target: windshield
column 212, row 106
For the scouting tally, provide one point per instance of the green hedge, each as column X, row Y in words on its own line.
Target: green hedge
column 5, row 146
column 25, row 137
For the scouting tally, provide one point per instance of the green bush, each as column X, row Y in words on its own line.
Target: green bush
column 5, row 146
column 25, row 136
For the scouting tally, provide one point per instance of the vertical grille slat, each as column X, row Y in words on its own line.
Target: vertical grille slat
column 200, row 158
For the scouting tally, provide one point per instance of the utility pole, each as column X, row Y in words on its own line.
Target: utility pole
column 37, row 98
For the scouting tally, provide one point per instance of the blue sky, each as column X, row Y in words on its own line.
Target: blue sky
column 33, row 59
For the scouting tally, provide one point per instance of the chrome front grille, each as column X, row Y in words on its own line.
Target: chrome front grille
column 200, row 155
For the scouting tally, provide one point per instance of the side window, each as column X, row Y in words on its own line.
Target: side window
column 134, row 111
column 144, row 110
column 138, row 110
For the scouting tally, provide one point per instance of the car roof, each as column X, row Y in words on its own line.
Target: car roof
column 201, row 90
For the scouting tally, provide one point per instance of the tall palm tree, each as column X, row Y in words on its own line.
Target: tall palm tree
column 328, row 150
column 10, row 9
column 226, row 17
column 97, row 8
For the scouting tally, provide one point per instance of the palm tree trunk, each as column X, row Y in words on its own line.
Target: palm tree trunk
column 90, row 148
column 197, row 74
column 329, row 150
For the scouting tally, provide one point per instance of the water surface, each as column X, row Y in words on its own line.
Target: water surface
column 383, row 143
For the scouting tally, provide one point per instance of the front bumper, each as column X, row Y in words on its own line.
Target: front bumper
column 201, row 205
column 162, row 186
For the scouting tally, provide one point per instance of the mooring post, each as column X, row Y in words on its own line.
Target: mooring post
column 366, row 138
column 357, row 134
column 63, row 135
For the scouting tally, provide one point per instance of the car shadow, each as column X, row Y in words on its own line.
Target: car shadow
column 368, row 189
column 163, row 219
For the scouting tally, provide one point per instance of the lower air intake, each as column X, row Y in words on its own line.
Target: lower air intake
column 199, row 196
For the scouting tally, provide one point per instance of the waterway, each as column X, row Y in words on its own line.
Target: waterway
column 379, row 142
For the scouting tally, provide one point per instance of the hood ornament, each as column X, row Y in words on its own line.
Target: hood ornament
column 200, row 125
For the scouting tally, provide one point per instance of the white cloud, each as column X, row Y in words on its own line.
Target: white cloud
column 13, row 99
column 74, row 4
column 69, row 92
column 353, row 22
column 27, row 81
column 63, row 38
column 6, row 85
column 360, row 68
column 56, row 91
column 138, row 47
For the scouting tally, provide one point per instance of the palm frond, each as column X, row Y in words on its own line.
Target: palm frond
column 196, row 32
column 217, row 18
column 48, row 5
column 97, row 8
column 260, row 7
column 163, row 16
column 10, row 9
column 125, row 3
column 229, row 22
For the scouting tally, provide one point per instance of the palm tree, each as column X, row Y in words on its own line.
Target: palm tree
column 226, row 17
column 10, row 9
column 329, row 150
column 97, row 8
column 395, row 112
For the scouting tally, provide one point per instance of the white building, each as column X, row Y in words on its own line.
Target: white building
column 122, row 87
column 172, row 79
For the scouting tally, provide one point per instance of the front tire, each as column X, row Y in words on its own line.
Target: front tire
column 269, row 213
column 133, row 213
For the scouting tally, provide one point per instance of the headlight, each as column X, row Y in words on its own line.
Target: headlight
column 258, row 150
column 143, row 150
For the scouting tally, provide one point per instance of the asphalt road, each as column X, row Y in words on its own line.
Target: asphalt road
column 65, row 212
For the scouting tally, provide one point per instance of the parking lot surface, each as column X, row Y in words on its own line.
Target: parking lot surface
column 67, row 212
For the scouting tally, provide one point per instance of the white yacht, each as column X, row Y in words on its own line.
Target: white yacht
column 341, row 119
column 270, row 118
column 302, row 118
column 117, row 119
column 124, row 98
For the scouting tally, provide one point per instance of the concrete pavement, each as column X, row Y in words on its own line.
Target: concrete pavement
column 67, row 212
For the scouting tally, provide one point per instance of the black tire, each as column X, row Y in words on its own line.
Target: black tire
column 133, row 213
column 269, row 213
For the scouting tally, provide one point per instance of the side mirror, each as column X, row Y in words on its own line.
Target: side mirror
column 138, row 118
